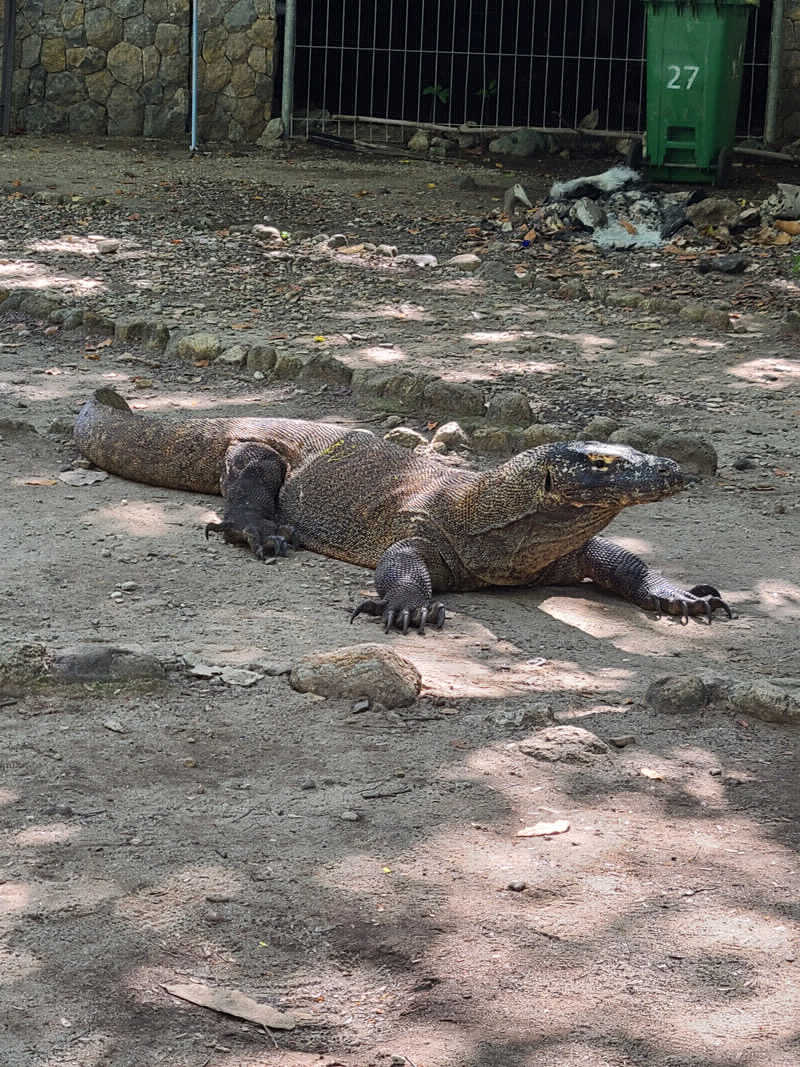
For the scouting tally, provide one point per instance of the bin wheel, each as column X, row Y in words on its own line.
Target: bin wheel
column 724, row 161
column 634, row 155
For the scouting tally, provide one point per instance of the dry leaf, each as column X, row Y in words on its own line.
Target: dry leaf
column 233, row 1002
column 791, row 226
column 40, row 481
column 654, row 775
column 544, row 829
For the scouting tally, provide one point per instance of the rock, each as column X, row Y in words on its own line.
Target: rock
column 102, row 663
column 419, row 141
column 196, row 346
column 641, row 436
column 405, row 437
column 731, row 264
column 745, row 463
column 677, row 693
column 600, row 428
column 338, row 240
column 389, row 251
column 622, row 740
column 270, row 234
column 494, row 439
column 519, row 143
column 544, row 433
column 273, row 132
column 762, row 700
column 533, row 715
column 567, row 744
column 785, row 204
column 514, row 198
column 421, row 260
column 713, row 211
column 235, row 356
column 467, row 261
column 350, row 816
column 463, row 398
column 588, row 213
column 369, row 671
column 239, row 676
column 450, row 435
column 261, row 358
column 510, row 408
column 131, row 329
column 695, row 453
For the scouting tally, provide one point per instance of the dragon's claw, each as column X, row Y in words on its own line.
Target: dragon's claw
column 699, row 600
column 394, row 615
column 261, row 540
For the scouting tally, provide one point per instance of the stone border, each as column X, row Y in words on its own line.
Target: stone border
column 499, row 418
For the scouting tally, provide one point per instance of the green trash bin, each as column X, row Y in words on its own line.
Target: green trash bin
column 695, row 50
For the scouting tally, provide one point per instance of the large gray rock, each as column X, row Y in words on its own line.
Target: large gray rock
column 103, row 28
column 566, row 744
column 369, row 671
column 125, row 111
column 519, row 143
column 695, row 453
column 241, row 15
column 125, row 63
column 762, row 700
column 677, row 693
column 87, row 117
column 196, row 346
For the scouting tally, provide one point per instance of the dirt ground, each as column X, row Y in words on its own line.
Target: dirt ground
column 190, row 831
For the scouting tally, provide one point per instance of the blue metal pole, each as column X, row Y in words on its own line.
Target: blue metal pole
column 195, row 64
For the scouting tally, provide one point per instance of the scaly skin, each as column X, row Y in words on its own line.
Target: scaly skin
column 424, row 527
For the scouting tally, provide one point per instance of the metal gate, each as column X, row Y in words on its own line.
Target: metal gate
column 8, row 13
column 483, row 63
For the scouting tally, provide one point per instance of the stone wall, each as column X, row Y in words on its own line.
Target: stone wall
column 789, row 100
column 122, row 67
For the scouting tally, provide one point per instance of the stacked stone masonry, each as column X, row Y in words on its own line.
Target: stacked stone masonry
column 122, row 67
column 789, row 100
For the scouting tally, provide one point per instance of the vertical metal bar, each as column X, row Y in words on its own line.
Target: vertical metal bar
column 195, row 65
column 610, row 73
column 547, row 61
column 419, row 54
column 389, row 54
column 374, row 60
column 311, row 58
column 287, row 85
column 530, row 64
column 405, row 64
column 340, row 106
column 498, row 76
column 483, row 55
column 9, row 33
column 578, row 57
column 453, row 71
column 467, row 59
column 514, row 75
column 773, row 72
column 355, row 109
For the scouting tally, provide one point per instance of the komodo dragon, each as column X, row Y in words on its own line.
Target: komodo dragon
column 422, row 525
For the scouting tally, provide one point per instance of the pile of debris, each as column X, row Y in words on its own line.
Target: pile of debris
column 620, row 211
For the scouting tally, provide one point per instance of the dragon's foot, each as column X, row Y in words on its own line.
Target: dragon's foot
column 264, row 538
column 397, row 611
column 699, row 600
